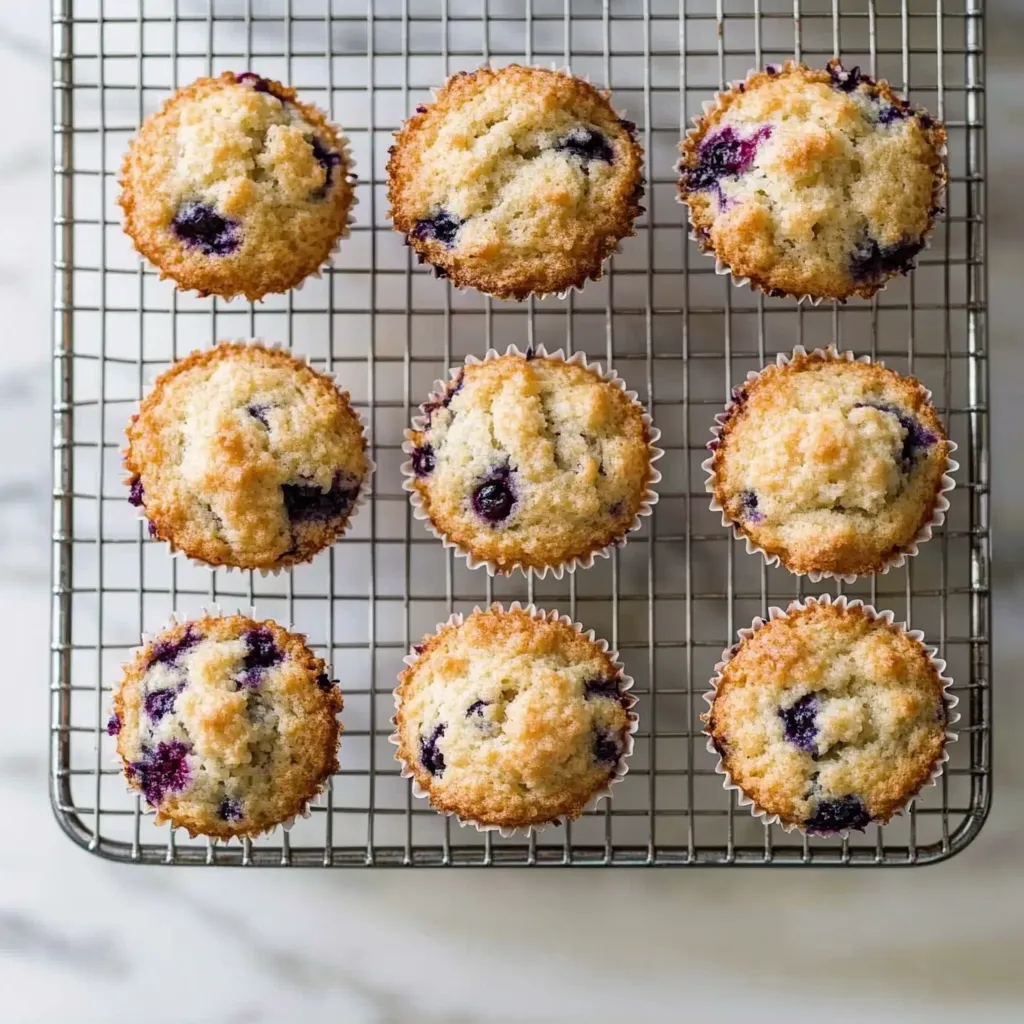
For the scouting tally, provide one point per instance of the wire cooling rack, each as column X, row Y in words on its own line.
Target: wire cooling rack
column 673, row 598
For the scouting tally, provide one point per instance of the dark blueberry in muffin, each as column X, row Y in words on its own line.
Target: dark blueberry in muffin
column 328, row 159
column 798, row 723
column 323, row 682
column 167, row 652
column 891, row 113
column 230, row 809
column 113, row 725
column 136, row 493
column 748, row 503
column 607, row 746
column 607, row 688
column 586, row 144
column 843, row 80
column 259, row 412
column 872, row 262
column 724, row 154
column 260, row 650
column 477, row 708
column 200, row 226
column 151, row 526
column 423, row 461
column 443, row 226
column 306, row 502
column 430, row 756
column 160, row 702
column 162, row 770
column 258, row 82
column 917, row 438
column 494, row 499
column 836, row 815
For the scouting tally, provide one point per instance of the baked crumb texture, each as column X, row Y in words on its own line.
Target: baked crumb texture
column 513, row 719
column 227, row 726
column 244, row 456
column 532, row 461
column 813, row 183
column 830, row 465
column 237, row 187
column 516, row 181
column 829, row 717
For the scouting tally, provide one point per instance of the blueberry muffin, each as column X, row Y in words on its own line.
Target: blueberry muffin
column 236, row 187
column 244, row 456
column 511, row 720
column 829, row 717
column 532, row 462
column 226, row 726
column 832, row 466
column 516, row 181
column 813, row 182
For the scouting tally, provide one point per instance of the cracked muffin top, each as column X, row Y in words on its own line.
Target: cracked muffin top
column 813, row 182
column 511, row 720
column 516, row 181
column 829, row 718
column 531, row 462
column 832, row 465
column 244, row 456
column 226, row 726
column 236, row 187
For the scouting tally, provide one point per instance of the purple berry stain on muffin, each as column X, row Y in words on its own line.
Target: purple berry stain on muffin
column 308, row 503
column 494, row 499
column 113, row 725
column 136, row 492
column 586, row 144
column 162, row 770
column 430, row 756
column 230, row 810
column 200, row 227
column 151, row 527
column 477, row 708
column 423, row 461
column 724, row 154
column 834, row 815
column 328, row 159
column 607, row 746
column 799, row 723
column 843, row 80
column 167, row 652
column 259, row 412
column 748, row 506
column 258, row 82
column 871, row 262
column 891, row 112
column 443, row 227
column 261, row 653
column 601, row 688
column 918, row 438
column 158, row 703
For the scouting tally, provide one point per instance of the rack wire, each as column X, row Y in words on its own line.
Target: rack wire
column 673, row 598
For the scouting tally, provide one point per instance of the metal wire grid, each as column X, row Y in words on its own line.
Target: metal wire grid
column 675, row 596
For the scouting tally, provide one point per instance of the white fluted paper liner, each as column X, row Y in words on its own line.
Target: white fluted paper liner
column 625, row 684
column 650, row 497
column 215, row 611
column 563, row 69
column 361, row 497
column 723, row 269
column 842, row 603
column 895, row 561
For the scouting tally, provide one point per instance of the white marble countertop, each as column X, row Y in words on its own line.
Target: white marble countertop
column 85, row 940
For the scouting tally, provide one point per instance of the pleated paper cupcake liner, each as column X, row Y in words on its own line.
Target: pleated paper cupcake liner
column 897, row 559
column 625, row 684
column 650, row 496
column 842, row 603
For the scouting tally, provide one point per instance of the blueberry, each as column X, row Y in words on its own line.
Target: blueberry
column 323, row 681
column 477, row 708
column 160, row 702
column 835, row 815
column 843, row 80
column 891, row 113
column 443, row 227
column 113, row 725
column 328, row 159
column 873, row 263
column 630, row 126
column 259, row 412
column 200, row 226
column 307, row 503
column 136, row 492
column 230, row 809
column 430, row 757
column 423, row 462
column 917, row 437
column 151, row 527
column 724, row 154
column 602, row 688
column 494, row 499
column 607, row 746
column 260, row 650
column 167, row 652
column 259, row 83
column 798, row 723
column 586, row 144
column 748, row 501
column 162, row 771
